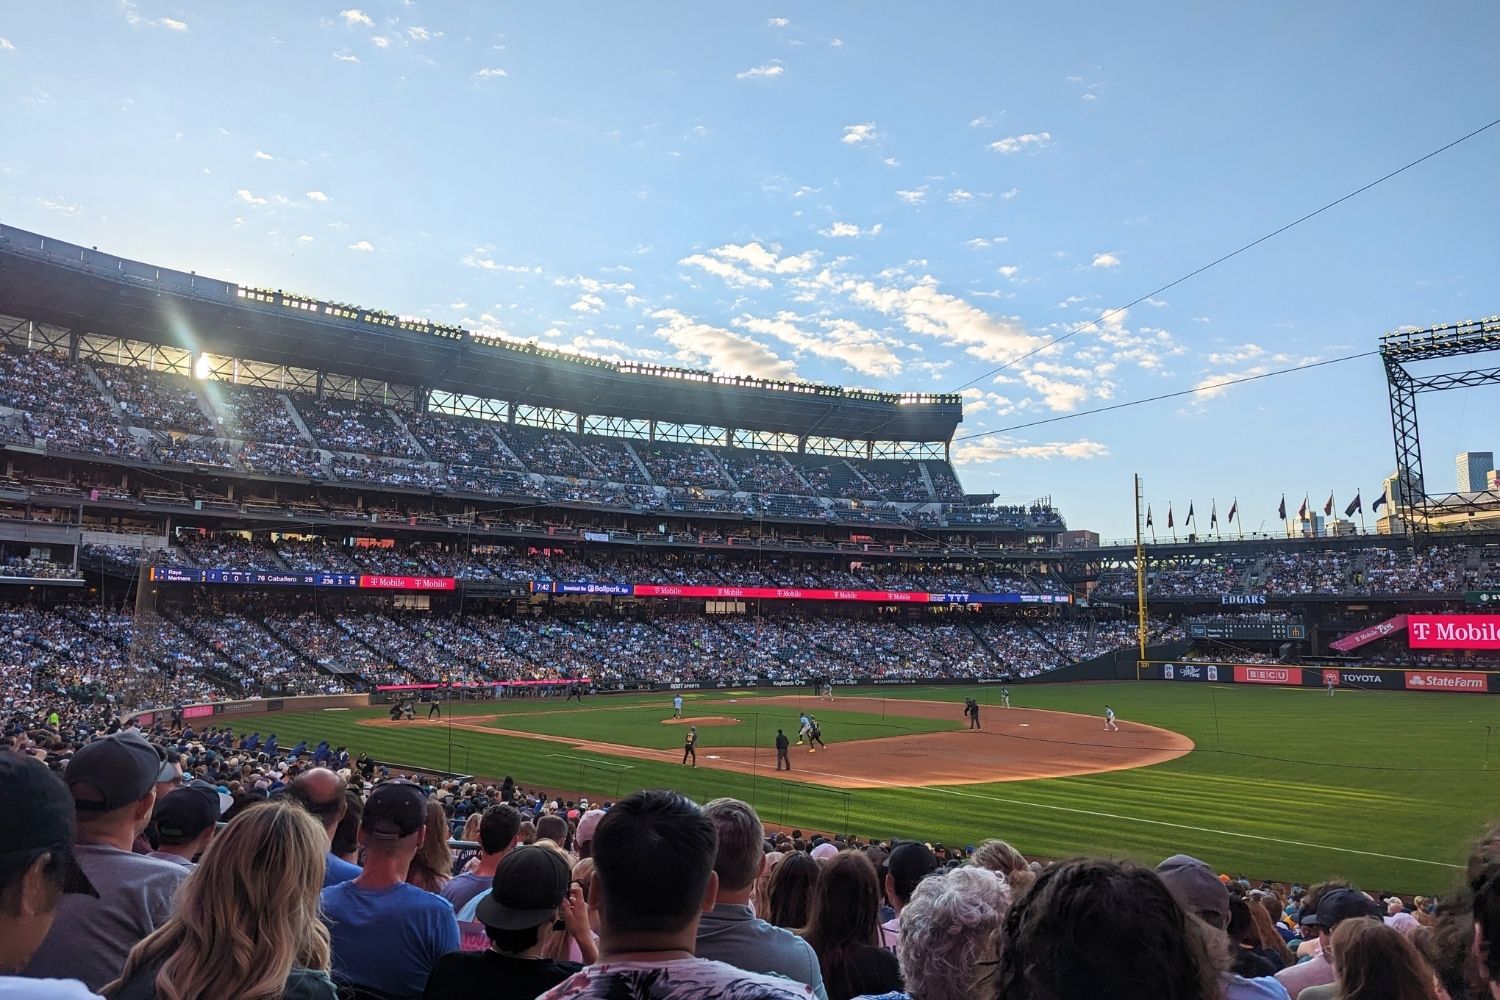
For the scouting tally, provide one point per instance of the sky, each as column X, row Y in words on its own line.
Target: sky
column 892, row 196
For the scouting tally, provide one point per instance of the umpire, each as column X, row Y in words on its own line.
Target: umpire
column 783, row 762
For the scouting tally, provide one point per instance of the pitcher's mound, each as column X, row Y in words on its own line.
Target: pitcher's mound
column 702, row 720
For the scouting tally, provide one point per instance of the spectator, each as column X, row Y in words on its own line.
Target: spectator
column 844, row 928
column 1090, row 927
column 324, row 794
column 653, row 878
column 1262, row 952
column 554, row 828
column 950, row 941
column 908, row 864
column 432, row 866
column 791, row 891
column 113, row 784
column 1397, row 917
column 1484, row 884
column 1375, row 962
column 532, row 890
column 583, row 837
column 499, row 833
column 345, row 846
column 185, row 820
column 387, row 935
column 1333, row 908
column 1203, row 895
column 38, row 829
column 731, row 932
column 246, row 923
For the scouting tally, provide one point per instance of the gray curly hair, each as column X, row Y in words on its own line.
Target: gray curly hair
column 950, row 932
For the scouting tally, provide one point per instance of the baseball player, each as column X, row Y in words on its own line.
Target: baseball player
column 1005, row 697
column 677, row 707
column 814, row 735
column 690, row 746
column 1109, row 720
column 804, row 729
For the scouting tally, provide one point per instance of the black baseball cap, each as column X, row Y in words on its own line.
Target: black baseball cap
column 184, row 813
column 530, row 884
column 115, row 771
column 910, row 863
column 39, row 816
column 395, row 809
column 1338, row 905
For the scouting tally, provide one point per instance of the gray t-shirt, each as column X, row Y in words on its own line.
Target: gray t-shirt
column 91, row 938
column 732, row 934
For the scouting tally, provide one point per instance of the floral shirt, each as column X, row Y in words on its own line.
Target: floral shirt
column 681, row 979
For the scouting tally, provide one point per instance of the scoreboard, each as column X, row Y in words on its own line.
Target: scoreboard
column 1235, row 630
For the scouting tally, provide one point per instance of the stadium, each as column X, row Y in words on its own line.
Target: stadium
column 528, row 502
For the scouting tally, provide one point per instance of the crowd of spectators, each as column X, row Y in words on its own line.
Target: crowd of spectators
column 461, row 440
column 273, row 459
column 215, row 862
column 354, row 425
column 155, row 400
column 177, row 449
column 62, row 407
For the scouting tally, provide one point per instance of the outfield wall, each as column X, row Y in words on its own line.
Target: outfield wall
column 1363, row 678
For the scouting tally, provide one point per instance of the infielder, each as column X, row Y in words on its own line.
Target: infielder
column 690, row 746
column 1110, row 724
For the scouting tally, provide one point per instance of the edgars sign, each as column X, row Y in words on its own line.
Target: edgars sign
column 1242, row 598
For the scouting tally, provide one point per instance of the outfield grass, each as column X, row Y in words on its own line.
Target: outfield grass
column 1387, row 789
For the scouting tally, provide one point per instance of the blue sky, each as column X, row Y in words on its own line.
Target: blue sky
column 876, row 194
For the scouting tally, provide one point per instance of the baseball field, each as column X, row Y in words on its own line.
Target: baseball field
column 1387, row 789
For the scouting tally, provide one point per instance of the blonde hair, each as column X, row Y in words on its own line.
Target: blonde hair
column 245, row 916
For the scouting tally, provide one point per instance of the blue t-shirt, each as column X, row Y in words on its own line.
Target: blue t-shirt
column 338, row 870
column 388, row 940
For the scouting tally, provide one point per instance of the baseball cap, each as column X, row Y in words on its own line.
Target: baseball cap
column 910, row 863
column 530, row 884
column 1338, row 905
column 395, row 809
column 184, row 813
column 587, row 824
column 40, row 816
column 1196, row 888
column 824, row 850
column 115, row 771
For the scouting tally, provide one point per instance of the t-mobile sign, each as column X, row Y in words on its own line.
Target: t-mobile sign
column 1453, row 631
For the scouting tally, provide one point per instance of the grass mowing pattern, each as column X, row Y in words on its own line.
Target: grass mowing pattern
column 1385, row 788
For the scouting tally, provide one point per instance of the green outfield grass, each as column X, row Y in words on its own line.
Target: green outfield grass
column 1387, row 789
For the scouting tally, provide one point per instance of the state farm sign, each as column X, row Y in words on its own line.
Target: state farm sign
column 1453, row 631
column 1267, row 675
column 1439, row 680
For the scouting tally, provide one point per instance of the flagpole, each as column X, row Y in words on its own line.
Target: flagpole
column 1140, row 580
column 1240, row 525
column 1359, row 495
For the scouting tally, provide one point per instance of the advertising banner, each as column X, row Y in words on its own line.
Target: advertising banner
column 1446, row 680
column 267, row 578
column 1354, row 640
column 1246, row 674
column 1453, row 631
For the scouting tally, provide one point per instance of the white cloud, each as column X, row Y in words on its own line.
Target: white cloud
column 778, row 22
column 837, row 43
column 995, row 449
column 381, row 42
column 418, row 33
column 958, row 196
column 172, row 24
column 481, row 260
column 60, row 207
column 304, row 239
column 719, row 349
column 363, row 246
column 1236, row 355
column 346, row 57
column 841, row 230
column 6, row 45
column 765, row 71
column 1105, row 260
column 723, row 269
column 318, row 196
column 1008, row 271
column 490, row 73
column 1059, row 394
column 1090, row 97
column 1008, row 195
column 982, row 121
column 860, row 349
column 1015, row 143
column 915, row 196
column 730, row 262
column 923, row 309
column 354, row 16
column 587, row 304
column 891, row 161
column 243, row 194
column 856, row 134
column 261, row 154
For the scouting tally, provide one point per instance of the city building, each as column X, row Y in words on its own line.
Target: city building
column 1473, row 469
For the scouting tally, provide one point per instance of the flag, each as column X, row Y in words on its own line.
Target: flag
column 1378, row 503
column 1169, row 516
column 1354, row 505
column 1328, row 507
column 1148, row 516
column 1302, row 511
column 1281, row 511
column 1189, row 518
column 1213, row 514
column 1234, row 509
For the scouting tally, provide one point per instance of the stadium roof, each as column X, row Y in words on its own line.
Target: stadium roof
column 81, row 289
